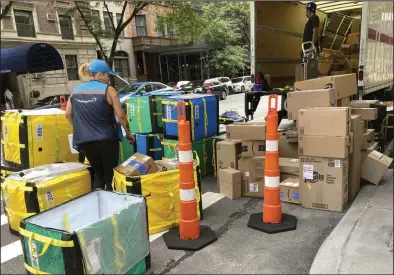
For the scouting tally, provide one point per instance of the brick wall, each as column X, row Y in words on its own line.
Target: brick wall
column 45, row 26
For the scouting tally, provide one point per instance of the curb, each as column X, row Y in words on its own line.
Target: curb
column 329, row 257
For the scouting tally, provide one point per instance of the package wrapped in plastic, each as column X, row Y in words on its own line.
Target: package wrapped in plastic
column 36, row 137
column 99, row 233
column 162, row 195
column 31, row 191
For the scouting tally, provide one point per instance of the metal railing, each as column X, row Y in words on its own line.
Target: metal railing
column 25, row 30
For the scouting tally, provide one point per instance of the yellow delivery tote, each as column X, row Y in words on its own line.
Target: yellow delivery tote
column 161, row 190
column 31, row 191
column 31, row 138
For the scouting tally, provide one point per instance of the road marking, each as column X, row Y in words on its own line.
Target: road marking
column 208, row 199
column 11, row 251
column 4, row 219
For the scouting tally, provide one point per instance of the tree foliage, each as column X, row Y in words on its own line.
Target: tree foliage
column 6, row 10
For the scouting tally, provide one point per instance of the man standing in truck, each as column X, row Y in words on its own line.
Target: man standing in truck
column 311, row 30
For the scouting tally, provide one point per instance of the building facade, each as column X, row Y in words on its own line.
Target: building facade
column 51, row 22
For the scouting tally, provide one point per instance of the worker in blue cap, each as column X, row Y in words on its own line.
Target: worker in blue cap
column 311, row 30
column 91, row 109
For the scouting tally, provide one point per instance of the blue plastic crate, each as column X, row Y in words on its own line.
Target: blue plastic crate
column 150, row 145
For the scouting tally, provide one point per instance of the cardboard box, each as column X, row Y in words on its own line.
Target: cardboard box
column 289, row 167
column 227, row 153
column 325, row 146
column 367, row 139
column 345, row 85
column 323, row 183
column 343, row 102
column 333, row 55
column 355, row 157
column 337, row 72
column 252, row 170
column 365, row 153
column 299, row 72
column 365, row 125
column 138, row 164
column 356, row 25
column 287, row 149
column 375, row 166
column 253, row 148
column 324, row 121
column 246, row 131
column 366, row 113
column 353, row 38
column 323, row 67
column 362, row 103
column 230, row 183
column 345, row 49
column 313, row 98
column 167, row 164
column 290, row 190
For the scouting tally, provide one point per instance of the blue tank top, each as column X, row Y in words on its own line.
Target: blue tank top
column 93, row 118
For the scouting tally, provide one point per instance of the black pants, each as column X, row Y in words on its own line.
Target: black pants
column 103, row 157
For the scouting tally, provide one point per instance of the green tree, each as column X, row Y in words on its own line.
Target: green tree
column 6, row 10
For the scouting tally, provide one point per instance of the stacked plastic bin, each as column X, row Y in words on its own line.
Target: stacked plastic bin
column 203, row 113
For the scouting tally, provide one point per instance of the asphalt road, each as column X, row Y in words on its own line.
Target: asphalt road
column 238, row 249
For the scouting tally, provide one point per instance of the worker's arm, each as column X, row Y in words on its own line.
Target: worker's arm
column 69, row 111
column 315, row 35
column 113, row 100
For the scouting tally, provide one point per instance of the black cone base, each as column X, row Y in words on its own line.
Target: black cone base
column 288, row 223
column 173, row 241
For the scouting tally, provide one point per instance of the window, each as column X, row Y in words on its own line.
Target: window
column 247, row 78
column 140, row 23
column 66, row 27
column 158, row 86
column 147, row 88
column 160, row 30
column 118, row 15
column 121, row 64
column 24, row 23
column 72, row 67
column 109, row 30
column 96, row 22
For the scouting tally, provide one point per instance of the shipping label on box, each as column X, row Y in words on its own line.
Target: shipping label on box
column 366, row 113
column 325, row 146
column 252, row 170
column 324, row 121
column 368, row 138
column 246, row 131
column 312, row 98
column 375, row 166
column 230, row 183
column 252, row 148
column 323, row 183
column 290, row 190
column 345, row 85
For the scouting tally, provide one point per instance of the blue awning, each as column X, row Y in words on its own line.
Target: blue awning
column 34, row 58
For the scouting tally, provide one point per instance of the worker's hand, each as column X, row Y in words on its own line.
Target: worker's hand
column 130, row 137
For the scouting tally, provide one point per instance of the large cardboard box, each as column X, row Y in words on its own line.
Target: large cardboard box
column 355, row 157
column 345, row 85
column 290, row 190
column 323, row 183
column 312, row 98
column 253, row 148
column 324, row 121
column 366, row 113
column 368, row 138
column 230, row 183
column 246, row 131
column 353, row 38
column 343, row 102
column 288, row 167
column 287, row 149
column 227, row 153
column 325, row 146
column 375, row 167
column 252, row 170
column 138, row 164
column 365, row 153
column 323, row 67
column 362, row 103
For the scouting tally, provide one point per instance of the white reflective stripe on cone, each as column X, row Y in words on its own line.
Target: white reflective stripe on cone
column 271, row 145
column 272, row 181
column 185, row 156
column 188, row 194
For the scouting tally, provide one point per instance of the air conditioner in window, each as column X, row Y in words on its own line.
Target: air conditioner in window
column 51, row 17
column 37, row 75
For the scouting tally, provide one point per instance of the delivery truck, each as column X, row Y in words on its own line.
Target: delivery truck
column 365, row 27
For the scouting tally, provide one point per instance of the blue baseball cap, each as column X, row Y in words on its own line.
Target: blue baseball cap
column 100, row 66
column 311, row 6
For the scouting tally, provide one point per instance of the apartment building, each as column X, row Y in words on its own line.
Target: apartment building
column 50, row 22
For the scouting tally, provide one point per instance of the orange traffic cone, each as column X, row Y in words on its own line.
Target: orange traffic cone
column 271, row 220
column 190, row 236
column 63, row 102
column 209, row 90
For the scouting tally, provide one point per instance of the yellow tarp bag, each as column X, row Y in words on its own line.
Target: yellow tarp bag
column 36, row 137
column 31, row 191
column 161, row 190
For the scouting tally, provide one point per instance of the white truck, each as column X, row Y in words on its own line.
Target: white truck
column 276, row 38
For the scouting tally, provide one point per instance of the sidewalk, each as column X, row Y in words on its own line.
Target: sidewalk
column 362, row 242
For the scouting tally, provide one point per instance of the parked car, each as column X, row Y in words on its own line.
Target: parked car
column 242, row 84
column 226, row 81
column 216, row 87
column 48, row 102
column 140, row 88
column 181, row 83
column 192, row 87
